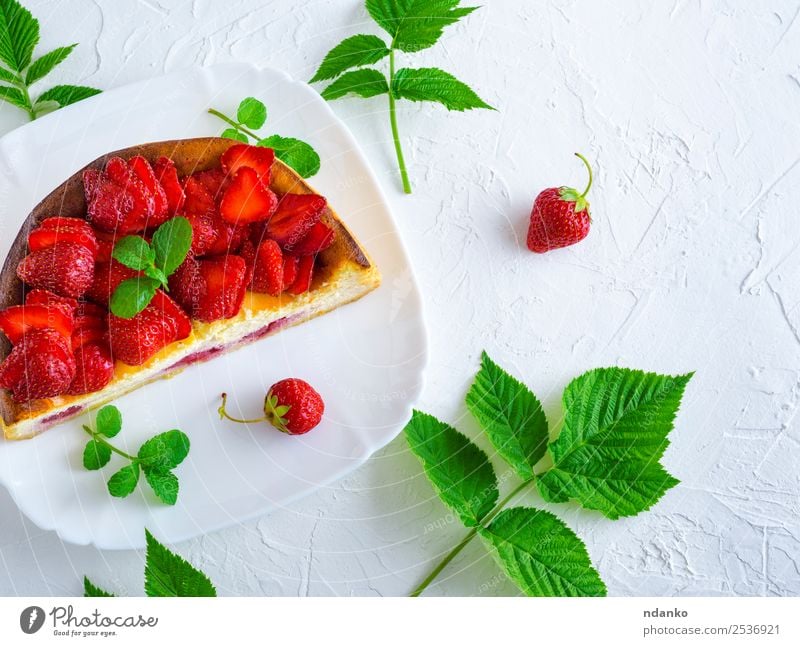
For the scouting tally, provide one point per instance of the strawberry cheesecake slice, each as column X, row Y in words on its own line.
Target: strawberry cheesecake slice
column 265, row 252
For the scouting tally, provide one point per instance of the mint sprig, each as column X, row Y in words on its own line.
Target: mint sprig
column 157, row 259
column 252, row 115
column 166, row 575
column 412, row 25
column 606, row 457
column 156, row 458
column 19, row 35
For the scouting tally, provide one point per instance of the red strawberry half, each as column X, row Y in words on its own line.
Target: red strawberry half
column 210, row 289
column 305, row 273
column 318, row 238
column 107, row 276
column 94, row 368
column 167, row 176
column 53, row 230
column 255, row 157
column 247, row 199
column 268, row 268
column 41, row 365
column 18, row 320
column 294, row 218
column 66, row 268
column 142, row 169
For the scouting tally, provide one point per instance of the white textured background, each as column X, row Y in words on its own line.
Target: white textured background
column 691, row 110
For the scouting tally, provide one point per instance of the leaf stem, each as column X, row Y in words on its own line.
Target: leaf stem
column 395, row 132
column 591, row 175
column 472, row 533
column 231, row 122
column 224, row 414
column 100, row 438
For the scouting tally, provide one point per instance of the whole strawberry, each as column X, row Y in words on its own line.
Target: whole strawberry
column 560, row 217
column 291, row 405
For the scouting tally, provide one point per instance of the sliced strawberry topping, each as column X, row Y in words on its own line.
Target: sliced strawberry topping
column 213, row 181
column 305, row 272
column 255, row 157
column 268, row 269
column 210, row 289
column 291, row 265
column 94, row 368
column 248, row 254
column 142, row 169
column 167, row 176
column 318, row 238
column 294, row 218
column 40, row 365
column 105, row 244
column 247, row 199
column 107, row 276
column 118, row 200
column 58, row 221
column 171, row 310
column 65, row 268
column 18, row 320
column 43, row 297
column 199, row 201
column 228, row 239
column 91, row 324
column 48, row 233
column 84, row 335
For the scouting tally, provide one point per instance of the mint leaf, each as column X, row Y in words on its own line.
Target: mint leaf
column 13, row 96
column 459, row 471
column 164, row 451
column 109, row 421
column 169, row 575
column 252, row 113
column 355, row 51
column 542, row 555
column 365, row 83
column 511, row 416
column 123, row 482
column 171, row 243
column 615, row 431
column 416, row 24
column 133, row 252
column 95, row 455
column 66, row 94
column 232, row 133
column 164, row 485
column 156, row 274
column 44, row 65
column 132, row 295
column 295, row 153
column 19, row 33
column 432, row 84
column 91, row 590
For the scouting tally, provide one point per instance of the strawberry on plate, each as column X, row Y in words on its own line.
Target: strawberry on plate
column 40, row 365
column 66, row 269
column 210, row 289
column 247, row 199
column 255, row 157
column 16, row 321
column 294, row 218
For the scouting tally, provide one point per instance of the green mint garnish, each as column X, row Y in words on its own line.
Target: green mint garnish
column 19, row 34
column 252, row 115
column 412, row 26
column 157, row 259
column 156, row 458
column 606, row 458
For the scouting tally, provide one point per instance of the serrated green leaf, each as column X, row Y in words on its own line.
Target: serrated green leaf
column 13, row 96
column 459, row 471
column 91, row 590
column 615, row 431
column 66, row 94
column 511, row 416
column 169, row 575
column 164, row 451
column 108, row 421
column 95, row 455
column 164, row 485
column 171, row 243
column 123, row 482
column 366, row 83
column 8, row 76
column 542, row 555
column 355, row 51
column 295, row 153
column 432, row 84
column 132, row 295
column 133, row 252
column 19, row 33
column 232, row 133
column 42, row 108
column 252, row 113
column 416, row 24
column 43, row 65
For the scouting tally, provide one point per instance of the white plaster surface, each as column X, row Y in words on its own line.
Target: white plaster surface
column 691, row 110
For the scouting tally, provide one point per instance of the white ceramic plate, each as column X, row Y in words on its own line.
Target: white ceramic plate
column 367, row 359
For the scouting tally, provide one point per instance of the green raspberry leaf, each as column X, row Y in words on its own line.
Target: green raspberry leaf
column 13, row 96
column 252, row 113
column 432, row 84
column 123, row 482
column 416, row 24
column 132, row 295
column 91, row 590
column 65, row 95
column 459, row 471
column 542, row 555
column 134, row 252
column 19, row 33
column 355, row 51
column 511, row 416
column 236, row 135
column 43, row 65
column 164, row 484
column 8, row 76
column 95, row 455
column 366, row 83
column 615, row 431
column 171, row 243
column 164, row 451
column 295, row 153
column 168, row 575
column 109, row 421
